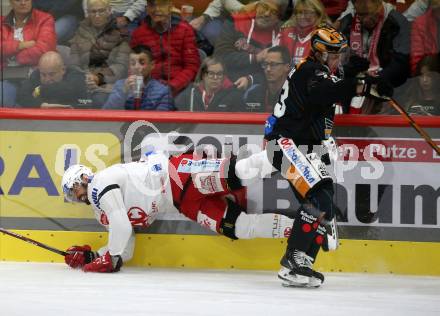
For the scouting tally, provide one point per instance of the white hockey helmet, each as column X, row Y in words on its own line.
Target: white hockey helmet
column 72, row 176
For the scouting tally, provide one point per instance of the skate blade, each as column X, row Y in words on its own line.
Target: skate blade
column 293, row 280
column 303, row 286
column 312, row 284
column 290, row 280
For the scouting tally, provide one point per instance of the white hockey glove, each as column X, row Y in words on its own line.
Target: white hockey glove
column 331, row 148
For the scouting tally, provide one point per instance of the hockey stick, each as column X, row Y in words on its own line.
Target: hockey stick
column 33, row 242
column 419, row 130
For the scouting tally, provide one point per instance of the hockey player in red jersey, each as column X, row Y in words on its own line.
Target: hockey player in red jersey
column 130, row 195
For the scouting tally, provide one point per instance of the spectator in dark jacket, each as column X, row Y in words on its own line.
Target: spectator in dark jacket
column 380, row 34
column 172, row 41
column 244, row 41
column 212, row 91
column 263, row 97
column 53, row 85
column 150, row 94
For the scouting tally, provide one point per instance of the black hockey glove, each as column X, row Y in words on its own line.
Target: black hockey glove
column 355, row 66
column 377, row 88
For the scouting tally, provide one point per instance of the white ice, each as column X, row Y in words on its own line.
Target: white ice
column 54, row 289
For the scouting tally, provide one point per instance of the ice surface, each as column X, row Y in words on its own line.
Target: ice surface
column 54, row 289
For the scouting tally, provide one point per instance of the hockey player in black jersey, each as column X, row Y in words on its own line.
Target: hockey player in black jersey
column 299, row 144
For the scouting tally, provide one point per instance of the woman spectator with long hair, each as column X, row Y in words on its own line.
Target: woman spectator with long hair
column 421, row 94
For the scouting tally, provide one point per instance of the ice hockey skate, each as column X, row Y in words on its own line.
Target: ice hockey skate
column 296, row 271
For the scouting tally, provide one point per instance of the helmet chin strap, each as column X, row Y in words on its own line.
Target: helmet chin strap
column 324, row 56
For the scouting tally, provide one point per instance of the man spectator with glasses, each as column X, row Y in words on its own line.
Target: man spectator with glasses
column 100, row 50
column 212, row 91
column 262, row 97
column 128, row 13
column 244, row 41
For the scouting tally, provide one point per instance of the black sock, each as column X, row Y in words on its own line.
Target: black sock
column 303, row 231
column 316, row 242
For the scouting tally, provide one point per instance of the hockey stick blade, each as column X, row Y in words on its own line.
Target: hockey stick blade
column 33, row 242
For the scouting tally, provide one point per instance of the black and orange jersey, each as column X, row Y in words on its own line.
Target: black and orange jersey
column 306, row 107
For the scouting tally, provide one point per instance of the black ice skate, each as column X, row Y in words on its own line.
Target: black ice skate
column 296, row 270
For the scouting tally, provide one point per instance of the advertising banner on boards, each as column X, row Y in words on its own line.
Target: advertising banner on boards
column 385, row 180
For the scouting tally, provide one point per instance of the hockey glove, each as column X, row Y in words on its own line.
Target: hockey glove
column 377, row 88
column 355, row 66
column 104, row 264
column 269, row 125
column 331, row 151
column 78, row 256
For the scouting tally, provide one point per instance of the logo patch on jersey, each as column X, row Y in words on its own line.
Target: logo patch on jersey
column 137, row 217
column 207, row 222
column 270, row 124
column 208, row 183
column 95, row 198
column 103, row 219
column 156, row 167
column 196, row 166
column 297, row 159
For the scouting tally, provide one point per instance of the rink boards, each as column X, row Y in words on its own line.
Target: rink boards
column 218, row 252
column 386, row 190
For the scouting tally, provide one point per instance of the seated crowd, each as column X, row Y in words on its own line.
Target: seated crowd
column 233, row 57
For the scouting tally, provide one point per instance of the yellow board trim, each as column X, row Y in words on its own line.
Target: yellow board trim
column 218, row 252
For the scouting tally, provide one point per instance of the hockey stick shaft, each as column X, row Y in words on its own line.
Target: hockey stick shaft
column 33, row 242
column 416, row 126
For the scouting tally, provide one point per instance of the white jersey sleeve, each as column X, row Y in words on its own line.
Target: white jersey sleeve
column 127, row 254
column 119, row 226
